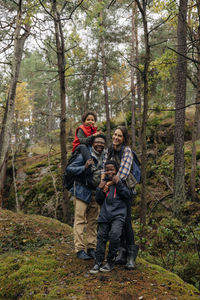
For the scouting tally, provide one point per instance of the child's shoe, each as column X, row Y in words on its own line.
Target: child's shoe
column 96, row 268
column 91, row 252
column 107, row 267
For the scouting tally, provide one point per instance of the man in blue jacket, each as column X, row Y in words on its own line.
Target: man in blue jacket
column 86, row 209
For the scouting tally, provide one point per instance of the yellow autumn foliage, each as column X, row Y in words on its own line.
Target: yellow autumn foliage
column 23, row 105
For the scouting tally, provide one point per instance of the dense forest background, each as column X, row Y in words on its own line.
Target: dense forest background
column 135, row 63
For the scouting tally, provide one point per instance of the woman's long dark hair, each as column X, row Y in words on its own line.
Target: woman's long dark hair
column 125, row 142
column 125, row 134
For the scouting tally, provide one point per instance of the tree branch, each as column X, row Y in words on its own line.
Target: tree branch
column 175, row 109
column 128, row 61
column 164, row 21
column 111, row 3
column 122, row 98
column 193, row 60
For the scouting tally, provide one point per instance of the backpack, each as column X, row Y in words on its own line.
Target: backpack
column 68, row 179
column 136, row 169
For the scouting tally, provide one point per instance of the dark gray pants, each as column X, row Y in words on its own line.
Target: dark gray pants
column 108, row 231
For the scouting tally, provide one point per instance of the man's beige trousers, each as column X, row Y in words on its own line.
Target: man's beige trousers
column 85, row 224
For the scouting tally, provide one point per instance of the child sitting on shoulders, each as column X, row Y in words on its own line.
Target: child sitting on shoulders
column 111, row 218
column 85, row 133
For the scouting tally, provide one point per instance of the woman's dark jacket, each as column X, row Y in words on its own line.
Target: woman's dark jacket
column 113, row 202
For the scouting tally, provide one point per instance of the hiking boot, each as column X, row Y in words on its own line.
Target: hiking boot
column 91, row 252
column 121, row 257
column 107, row 267
column 83, row 255
column 132, row 251
column 96, row 268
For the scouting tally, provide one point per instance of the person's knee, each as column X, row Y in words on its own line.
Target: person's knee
column 114, row 236
column 102, row 235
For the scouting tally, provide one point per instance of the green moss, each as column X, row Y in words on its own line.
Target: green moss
column 52, row 271
column 32, row 168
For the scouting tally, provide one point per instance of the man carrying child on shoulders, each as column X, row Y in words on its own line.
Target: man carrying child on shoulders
column 86, row 210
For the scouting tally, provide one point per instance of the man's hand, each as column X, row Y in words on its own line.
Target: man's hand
column 89, row 162
column 115, row 179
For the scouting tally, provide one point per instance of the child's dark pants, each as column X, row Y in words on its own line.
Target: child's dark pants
column 83, row 149
column 108, row 231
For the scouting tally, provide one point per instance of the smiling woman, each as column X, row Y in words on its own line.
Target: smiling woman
column 117, row 138
column 122, row 154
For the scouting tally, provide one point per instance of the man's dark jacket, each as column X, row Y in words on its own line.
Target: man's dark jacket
column 83, row 185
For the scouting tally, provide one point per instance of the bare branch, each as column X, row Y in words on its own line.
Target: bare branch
column 128, row 61
column 175, row 109
column 160, row 24
column 73, row 10
column 121, row 100
column 156, row 44
column 193, row 60
column 111, row 3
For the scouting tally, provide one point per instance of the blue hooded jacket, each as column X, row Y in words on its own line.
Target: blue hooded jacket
column 113, row 203
column 83, row 185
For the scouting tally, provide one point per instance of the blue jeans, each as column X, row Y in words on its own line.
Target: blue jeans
column 108, row 231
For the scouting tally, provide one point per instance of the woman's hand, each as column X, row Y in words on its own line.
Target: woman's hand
column 115, row 179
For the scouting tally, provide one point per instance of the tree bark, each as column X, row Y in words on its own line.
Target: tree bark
column 138, row 81
column 89, row 89
column 104, row 73
column 196, row 118
column 6, row 131
column 143, row 204
column 133, row 123
column 179, row 165
column 63, row 137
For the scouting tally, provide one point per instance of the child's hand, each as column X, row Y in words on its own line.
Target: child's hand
column 102, row 184
column 97, row 133
column 115, row 179
column 106, row 187
column 89, row 162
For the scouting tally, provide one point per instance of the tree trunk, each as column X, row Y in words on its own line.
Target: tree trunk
column 138, row 81
column 94, row 70
column 6, row 131
column 2, row 181
column 179, row 165
column 133, row 123
column 63, row 137
column 143, row 205
column 108, row 131
column 196, row 119
column 49, row 113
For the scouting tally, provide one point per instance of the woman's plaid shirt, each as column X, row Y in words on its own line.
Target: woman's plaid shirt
column 126, row 163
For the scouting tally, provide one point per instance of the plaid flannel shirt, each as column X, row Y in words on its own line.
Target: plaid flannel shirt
column 126, row 163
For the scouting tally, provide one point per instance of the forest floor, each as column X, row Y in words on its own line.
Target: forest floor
column 37, row 261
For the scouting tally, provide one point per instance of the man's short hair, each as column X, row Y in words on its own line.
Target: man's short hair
column 98, row 136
